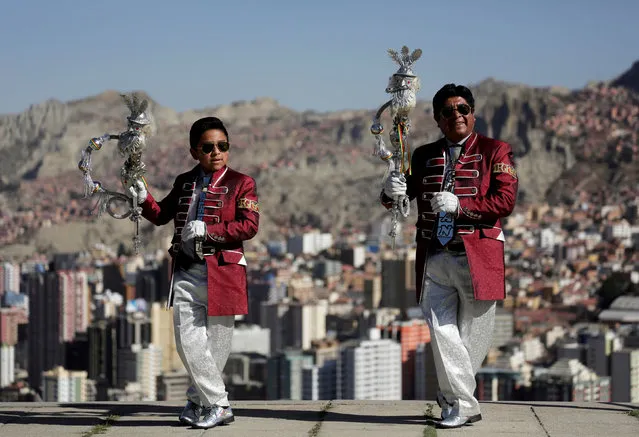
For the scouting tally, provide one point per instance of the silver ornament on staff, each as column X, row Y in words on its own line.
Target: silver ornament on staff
column 402, row 86
column 131, row 144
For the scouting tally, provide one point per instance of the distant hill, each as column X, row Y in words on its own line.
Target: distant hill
column 311, row 168
column 629, row 79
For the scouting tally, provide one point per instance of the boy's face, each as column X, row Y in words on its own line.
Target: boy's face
column 215, row 159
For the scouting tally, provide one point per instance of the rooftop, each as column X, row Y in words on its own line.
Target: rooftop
column 318, row 418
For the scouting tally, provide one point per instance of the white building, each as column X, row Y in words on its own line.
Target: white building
column 533, row 349
column 61, row 385
column 309, row 243
column 313, row 322
column 7, row 365
column 370, row 369
column 9, row 277
column 141, row 366
column 547, row 238
column 251, row 338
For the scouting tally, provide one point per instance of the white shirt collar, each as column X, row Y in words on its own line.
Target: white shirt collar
column 461, row 143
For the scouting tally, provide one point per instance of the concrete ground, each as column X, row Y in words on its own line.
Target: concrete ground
column 318, row 419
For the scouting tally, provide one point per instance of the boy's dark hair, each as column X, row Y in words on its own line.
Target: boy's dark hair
column 446, row 92
column 201, row 126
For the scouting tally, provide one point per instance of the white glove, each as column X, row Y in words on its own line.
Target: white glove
column 139, row 192
column 444, row 201
column 193, row 229
column 395, row 185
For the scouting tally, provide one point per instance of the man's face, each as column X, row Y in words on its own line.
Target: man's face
column 457, row 119
column 214, row 159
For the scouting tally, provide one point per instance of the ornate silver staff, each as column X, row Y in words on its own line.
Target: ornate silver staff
column 131, row 144
column 403, row 87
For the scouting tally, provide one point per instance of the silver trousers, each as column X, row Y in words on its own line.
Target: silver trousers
column 461, row 329
column 203, row 342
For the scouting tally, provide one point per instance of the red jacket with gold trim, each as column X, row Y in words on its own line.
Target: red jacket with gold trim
column 486, row 185
column 231, row 214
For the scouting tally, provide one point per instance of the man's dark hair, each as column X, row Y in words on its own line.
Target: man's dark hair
column 201, row 126
column 446, row 92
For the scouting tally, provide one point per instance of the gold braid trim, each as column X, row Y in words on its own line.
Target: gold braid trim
column 248, row 204
column 500, row 167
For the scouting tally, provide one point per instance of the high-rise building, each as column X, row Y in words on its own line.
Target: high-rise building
column 319, row 382
column 354, row 256
column 46, row 350
column 504, row 327
column 625, row 375
column 258, row 292
column 370, row 369
column 372, row 292
column 598, row 352
column 163, row 336
column 7, row 364
column 274, row 317
column 146, row 285
column 570, row 380
column 426, row 385
column 9, row 277
column 172, row 386
column 293, row 324
column 133, row 328
column 246, row 375
column 309, row 243
column 284, row 374
column 75, row 303
column 409, row 334
column 309, row 321
column 61, row 385
column 398, row 281
column 141, row 365
column 251, row 338
column 494, row 384
column 83, row 301
column 67, row 305
column 103, row 355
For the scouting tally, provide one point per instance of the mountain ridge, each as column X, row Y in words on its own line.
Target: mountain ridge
column 311, row 167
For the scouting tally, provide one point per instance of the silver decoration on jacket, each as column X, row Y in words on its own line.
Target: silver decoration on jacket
column 403, row 86
column 131, row 145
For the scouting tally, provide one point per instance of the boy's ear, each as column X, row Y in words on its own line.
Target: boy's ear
column 193, row 153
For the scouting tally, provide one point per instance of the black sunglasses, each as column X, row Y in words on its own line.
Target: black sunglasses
column 222, row 146
column 462, row 108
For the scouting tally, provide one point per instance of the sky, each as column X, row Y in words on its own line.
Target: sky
column 308, row 55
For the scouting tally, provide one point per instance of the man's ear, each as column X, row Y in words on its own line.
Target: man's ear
column 193, row 153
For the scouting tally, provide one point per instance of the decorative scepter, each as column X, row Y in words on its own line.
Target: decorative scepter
column 131, row 144
column 403, row 87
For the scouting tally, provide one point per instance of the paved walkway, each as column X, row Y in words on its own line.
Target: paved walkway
column 318, row 419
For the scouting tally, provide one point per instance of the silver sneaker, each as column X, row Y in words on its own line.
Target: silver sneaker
column 214, row 416
column 191, row 413
column 454, row 421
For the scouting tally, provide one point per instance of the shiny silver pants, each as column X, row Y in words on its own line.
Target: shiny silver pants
column 461, row 328
column 203, row 342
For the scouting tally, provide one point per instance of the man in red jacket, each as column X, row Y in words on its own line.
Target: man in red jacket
column 464, row 184
column 214, row 209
